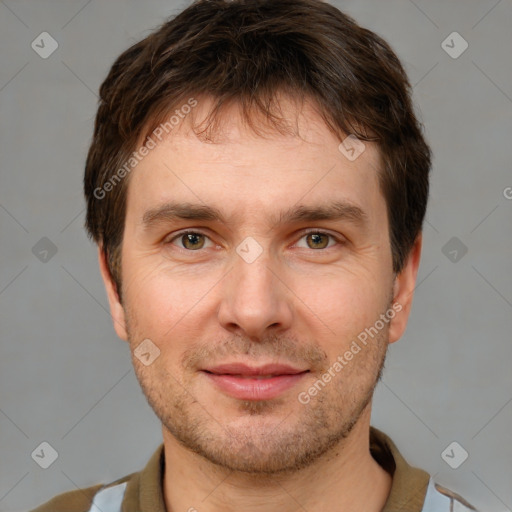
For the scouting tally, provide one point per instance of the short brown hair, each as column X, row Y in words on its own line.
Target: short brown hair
column 248, row 51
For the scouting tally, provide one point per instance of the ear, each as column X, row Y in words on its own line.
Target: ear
column 116, row 308
column 403, row 291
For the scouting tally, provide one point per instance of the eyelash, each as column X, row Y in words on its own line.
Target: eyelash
column 304, row 233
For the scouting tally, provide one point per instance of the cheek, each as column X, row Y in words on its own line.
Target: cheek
column 162, row 304
column 342, row 304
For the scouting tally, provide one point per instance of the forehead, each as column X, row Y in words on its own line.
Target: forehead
column 241, row 170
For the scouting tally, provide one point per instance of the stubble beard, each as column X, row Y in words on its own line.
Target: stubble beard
column 265, row 441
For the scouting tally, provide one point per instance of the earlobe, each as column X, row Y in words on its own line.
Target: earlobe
column 403, row 291
column 116, row 308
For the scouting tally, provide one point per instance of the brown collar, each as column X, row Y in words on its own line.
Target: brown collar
column 144, row 492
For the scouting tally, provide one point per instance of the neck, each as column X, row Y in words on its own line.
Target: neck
column 346, row 478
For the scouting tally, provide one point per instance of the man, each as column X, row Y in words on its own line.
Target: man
column 256, row 184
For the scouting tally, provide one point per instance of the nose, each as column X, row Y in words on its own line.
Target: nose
column 254, row 298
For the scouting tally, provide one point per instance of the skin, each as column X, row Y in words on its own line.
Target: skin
column 302, row 301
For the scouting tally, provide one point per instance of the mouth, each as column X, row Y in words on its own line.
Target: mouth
column 244, row 382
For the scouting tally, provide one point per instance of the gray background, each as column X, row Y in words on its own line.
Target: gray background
column 64, row 376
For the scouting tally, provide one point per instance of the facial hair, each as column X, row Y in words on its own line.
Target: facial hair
column 265, row 436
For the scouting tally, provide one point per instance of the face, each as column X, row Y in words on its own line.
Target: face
column 254, row 265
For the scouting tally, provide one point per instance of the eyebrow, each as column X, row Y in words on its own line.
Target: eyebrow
column 336, row 210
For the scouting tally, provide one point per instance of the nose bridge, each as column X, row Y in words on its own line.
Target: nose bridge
column 253, row 299
column 253, row 276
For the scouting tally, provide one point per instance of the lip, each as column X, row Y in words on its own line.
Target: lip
column 249, row 371
column 251, row 383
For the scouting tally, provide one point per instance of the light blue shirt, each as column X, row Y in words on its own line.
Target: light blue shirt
column 110, row 499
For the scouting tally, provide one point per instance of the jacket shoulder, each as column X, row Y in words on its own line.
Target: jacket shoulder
column 79, row 500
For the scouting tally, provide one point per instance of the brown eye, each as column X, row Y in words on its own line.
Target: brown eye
column 189, row 240
column 192, row 240
column 318, row 240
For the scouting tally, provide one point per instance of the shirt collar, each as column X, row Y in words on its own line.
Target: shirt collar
column 409, row 485
column 144, row 492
